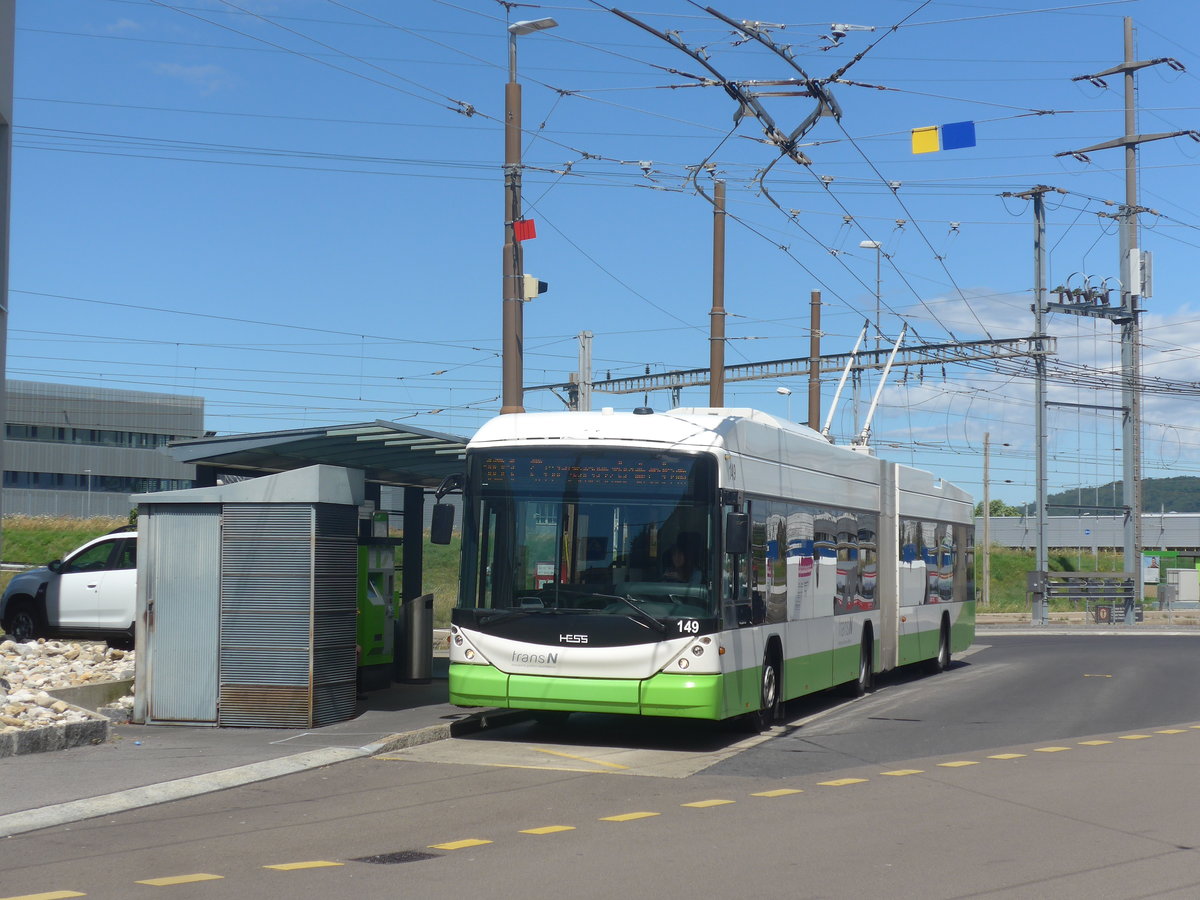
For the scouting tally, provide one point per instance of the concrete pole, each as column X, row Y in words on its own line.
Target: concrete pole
column 878, row 296
column 8, row 15
column 716, row 345
column 1041, row 437
column 585, row 371
column 1131, row 425
column 814, row 361
column 986, row 587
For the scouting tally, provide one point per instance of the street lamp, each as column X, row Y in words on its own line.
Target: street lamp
column 786, row 392
column 878, row 248
column 513, row 289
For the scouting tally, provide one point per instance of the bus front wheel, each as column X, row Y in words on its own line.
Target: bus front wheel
column 768, row 706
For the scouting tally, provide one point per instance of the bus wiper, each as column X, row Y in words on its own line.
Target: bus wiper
column 657, row 624
column 499, row 614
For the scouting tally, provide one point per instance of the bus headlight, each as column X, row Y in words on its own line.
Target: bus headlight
column 697, row 650
column 683, row 663
column 469, row 653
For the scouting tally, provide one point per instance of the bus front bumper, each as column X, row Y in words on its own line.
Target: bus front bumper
column 681, row 696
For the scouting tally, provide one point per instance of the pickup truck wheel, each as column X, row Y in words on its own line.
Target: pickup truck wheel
column 23, row 622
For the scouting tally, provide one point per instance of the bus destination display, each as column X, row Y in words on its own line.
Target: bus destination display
column 552, row 471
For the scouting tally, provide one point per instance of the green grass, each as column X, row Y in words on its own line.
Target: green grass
column 35, row 540
column 1010, row 568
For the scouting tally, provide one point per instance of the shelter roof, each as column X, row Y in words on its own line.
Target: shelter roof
column 387, row 452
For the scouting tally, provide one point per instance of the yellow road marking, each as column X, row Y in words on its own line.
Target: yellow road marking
column 904, row 772
column 1194, row 726
column 595, row 762
column 458, row 845
column 1134, row 737
column 629, row 817
column 181, row 879
column 703, row 804
column 842, row 781
column 1171, row 731
column 52, row 895
column 780, row 792
column 548, row 829
column 1097, row 676
column 1050, row 749
column 1094, row 743
column 546, row 768
column 311, row 864
column 1007, row 756
column 958, row 763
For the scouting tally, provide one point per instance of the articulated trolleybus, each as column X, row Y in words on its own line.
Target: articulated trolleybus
column 698, row 563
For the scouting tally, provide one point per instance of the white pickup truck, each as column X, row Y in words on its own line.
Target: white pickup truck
column 91, row 593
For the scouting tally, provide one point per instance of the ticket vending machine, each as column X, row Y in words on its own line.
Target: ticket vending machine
column 376, row 601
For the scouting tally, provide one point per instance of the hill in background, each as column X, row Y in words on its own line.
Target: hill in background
column 1179, row 494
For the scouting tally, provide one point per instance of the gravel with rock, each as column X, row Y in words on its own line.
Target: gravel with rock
column 29, row 670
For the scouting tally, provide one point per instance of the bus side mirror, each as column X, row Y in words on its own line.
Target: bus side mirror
column 737, row 532
column 441, row 525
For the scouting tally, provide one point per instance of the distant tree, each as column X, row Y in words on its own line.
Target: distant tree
column 998, row 508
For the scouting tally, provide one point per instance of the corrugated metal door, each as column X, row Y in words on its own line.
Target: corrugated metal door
column 181, row 570
column 267, row 615
column 335, row 608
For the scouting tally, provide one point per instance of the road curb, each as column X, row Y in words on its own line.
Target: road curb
column 62, row 736
column 179, row 789
column 210, row 782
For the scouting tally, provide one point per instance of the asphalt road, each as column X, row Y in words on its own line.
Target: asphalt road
column 1036, row 767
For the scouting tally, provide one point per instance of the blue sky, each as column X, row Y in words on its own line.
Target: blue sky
column 281, row 206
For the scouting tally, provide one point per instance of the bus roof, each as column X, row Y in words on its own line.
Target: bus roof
column 686, row 428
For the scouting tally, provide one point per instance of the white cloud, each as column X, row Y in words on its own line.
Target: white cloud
column 123, row 26
column 209, row 79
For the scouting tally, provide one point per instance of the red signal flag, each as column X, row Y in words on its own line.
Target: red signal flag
column 524, row 230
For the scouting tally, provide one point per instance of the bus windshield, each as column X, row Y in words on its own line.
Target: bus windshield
column 591, row 531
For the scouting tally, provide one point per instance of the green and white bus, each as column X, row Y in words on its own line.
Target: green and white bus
column 698, row 563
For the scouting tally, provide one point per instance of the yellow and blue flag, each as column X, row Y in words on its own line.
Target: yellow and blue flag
column 952, row 136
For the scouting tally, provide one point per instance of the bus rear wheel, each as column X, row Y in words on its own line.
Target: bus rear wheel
column 865, row 682
column 941, row 662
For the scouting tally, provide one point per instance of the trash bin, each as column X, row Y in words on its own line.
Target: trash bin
column 416, row 648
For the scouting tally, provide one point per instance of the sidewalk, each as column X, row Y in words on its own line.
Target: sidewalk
column 147, row 764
